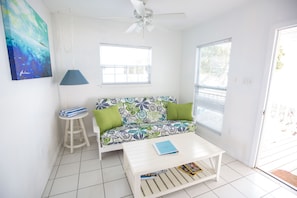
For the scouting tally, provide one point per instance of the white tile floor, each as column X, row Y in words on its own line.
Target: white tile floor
column 82, row 175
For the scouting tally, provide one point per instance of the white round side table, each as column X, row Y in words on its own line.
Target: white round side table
column 72, row 129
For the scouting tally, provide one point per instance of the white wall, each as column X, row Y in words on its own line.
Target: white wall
column 88, row 33
column 251, row 28
column 29, row 135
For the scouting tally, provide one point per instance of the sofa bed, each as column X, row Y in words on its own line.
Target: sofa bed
column 120, row 120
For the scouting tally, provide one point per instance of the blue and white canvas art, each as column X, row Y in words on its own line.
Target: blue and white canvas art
column 27, row 41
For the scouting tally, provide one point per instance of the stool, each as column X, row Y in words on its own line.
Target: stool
column 71, row 129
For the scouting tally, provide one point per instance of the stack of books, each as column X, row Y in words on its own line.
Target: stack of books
column 72, row 111
column 152, row 175
column 190, row 168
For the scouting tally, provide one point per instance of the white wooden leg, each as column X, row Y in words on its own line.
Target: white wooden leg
column 216, row 165
column 99, row 146
column 100, row 155
column 137, row 190
column 71, row 136
column 218, row 168
column 66, row 132
column 84, row 131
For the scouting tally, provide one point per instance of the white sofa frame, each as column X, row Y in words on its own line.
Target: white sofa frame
column 103, row 149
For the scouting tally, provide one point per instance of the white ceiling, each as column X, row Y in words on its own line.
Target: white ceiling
column 195, row 11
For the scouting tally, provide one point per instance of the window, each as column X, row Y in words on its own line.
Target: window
column 125, row 65
column 211, row 84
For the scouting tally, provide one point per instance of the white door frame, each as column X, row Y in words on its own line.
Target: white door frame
column 269, row 63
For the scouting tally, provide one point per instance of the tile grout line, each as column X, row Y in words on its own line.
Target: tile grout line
column 122, row 164
column 238, row 189
column 79, row 168
column 103, row 183
column 58, row 166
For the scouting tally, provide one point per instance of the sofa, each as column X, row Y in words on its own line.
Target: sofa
column 120, row 120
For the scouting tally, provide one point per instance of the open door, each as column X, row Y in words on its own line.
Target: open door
column 277, row 154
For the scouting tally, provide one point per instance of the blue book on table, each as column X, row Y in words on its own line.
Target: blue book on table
column 165, row 147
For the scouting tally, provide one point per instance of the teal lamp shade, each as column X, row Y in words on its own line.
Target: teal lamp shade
column 73, row 77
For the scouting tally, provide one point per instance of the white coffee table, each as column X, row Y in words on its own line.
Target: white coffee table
column 141, row 158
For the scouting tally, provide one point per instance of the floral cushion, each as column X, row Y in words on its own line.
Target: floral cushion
column 132, row 132
column 139, row 109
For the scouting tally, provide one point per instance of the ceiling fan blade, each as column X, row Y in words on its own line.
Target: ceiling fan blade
column 178, row 14
column 136, row 27
column 123, row 19
column 132, row 28
column 138, row 6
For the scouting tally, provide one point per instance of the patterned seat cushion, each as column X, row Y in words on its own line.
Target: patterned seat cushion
column 132, row 132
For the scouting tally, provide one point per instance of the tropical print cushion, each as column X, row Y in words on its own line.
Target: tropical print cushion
column 137, row 110
column 132, row 132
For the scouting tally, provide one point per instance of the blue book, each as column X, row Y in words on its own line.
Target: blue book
column 165, row 147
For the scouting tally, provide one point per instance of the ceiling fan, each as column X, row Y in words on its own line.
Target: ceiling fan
column 144, row 17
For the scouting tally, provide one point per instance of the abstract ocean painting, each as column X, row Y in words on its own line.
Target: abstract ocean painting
column 27, row 41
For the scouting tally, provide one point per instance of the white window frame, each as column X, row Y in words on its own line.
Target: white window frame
column 120, row 72
column 209, row 100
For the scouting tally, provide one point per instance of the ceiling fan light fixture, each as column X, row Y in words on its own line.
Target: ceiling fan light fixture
column 144, row 21
column 148, row 13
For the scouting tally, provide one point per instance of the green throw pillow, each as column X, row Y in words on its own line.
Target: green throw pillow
column 179, row 111
column 108, row 118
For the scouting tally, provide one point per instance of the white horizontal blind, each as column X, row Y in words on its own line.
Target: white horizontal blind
column 211, row 83
column 125, row 64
